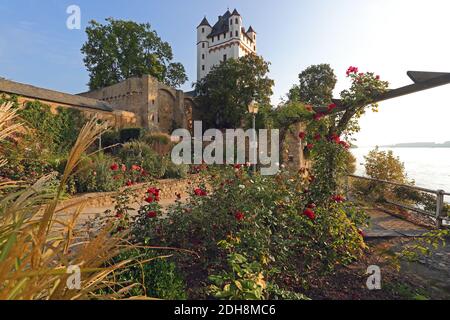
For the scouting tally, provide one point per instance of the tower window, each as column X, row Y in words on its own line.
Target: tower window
column 237, row 33
column 236, row 21
column 203, row 30
column 203, row 67
column 212, row 39
column 203, row 45
column 203, row 56
column 224, row 57
column 231, row 21
column 231, row 34
column 218, row 37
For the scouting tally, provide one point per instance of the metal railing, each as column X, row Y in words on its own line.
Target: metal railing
column 438, row 216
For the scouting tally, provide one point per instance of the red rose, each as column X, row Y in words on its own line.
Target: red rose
column 331, row 107
column 377, row 77
column 318, row 116
column 351, row 70
column 119, row 215
column 238, row 166
column 150, row 199
column 338, row 198
column 135, row 167
column 311, row 206
column 335, row 138
column 154, row 191
column 344, row 144
column 310, row 146
column 129, row 183
column 114, row 167
column 302, row 135
column 239, row 216
column 317, row 137
column 310, row 214
column 124, row 168
column 151, row 214
column 200, row 192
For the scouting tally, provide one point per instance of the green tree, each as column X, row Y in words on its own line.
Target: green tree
column 384, row 165
column 119, row 49
column 225, row 93
column 315, row 87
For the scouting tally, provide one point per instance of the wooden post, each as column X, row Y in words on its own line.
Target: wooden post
column 439, row 207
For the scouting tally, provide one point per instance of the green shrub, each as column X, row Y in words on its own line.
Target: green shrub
column 130, row 134
column 95, row 175
column 59, row 130
column 157, row 278
column 174, row 171
column 37, row 151
column 161, row 138
column 265, row 218
column 140, row 153
column 159, row 142
column 111, row 138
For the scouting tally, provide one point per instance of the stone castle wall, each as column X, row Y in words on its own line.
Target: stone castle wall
column 157, row 107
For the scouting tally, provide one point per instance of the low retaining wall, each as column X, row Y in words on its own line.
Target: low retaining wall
column 169, row 189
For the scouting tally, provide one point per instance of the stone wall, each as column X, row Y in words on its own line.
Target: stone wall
column 115, row 118
column 157, row 107
column 169, row 188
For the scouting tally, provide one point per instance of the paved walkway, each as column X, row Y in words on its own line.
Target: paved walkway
column 383, row 225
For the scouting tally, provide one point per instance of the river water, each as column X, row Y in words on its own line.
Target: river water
column 429, row 167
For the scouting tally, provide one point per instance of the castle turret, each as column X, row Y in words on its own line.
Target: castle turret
column 203, row 30
column 235, row 24
column 252, row 35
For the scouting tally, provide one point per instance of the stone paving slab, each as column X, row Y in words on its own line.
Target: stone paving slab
column 383, row 225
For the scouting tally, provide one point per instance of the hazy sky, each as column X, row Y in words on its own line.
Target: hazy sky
column 388, row 37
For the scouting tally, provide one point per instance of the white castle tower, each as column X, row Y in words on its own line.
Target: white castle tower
column 226, row 39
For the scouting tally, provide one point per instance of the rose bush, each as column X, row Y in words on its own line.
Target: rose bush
column 276, row 222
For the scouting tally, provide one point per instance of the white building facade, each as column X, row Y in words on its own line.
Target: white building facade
column 225, row 40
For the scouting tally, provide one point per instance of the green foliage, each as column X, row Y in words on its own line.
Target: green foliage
column 264, row 217
column 111, row 138
column 140, row 153
column 384, row 165
column 95, row 175
column 243, row 280
column 59, row 131
column 120, row 49
column 225, row 93
column 153, row 277
column 159, row 142
column 357, row 99
column 174, row 171
column 425, row 245
column 38, row 150
column 130, row 134
column 329, row 169
column 316, row 86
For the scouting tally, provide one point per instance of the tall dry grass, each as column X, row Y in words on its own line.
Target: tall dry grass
column 37, row 245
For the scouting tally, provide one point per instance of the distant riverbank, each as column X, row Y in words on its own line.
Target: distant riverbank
column 420, row 145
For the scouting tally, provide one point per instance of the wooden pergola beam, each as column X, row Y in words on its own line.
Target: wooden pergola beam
column 422, row 81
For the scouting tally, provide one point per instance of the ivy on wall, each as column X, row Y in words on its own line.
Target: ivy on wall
column 58, row 131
